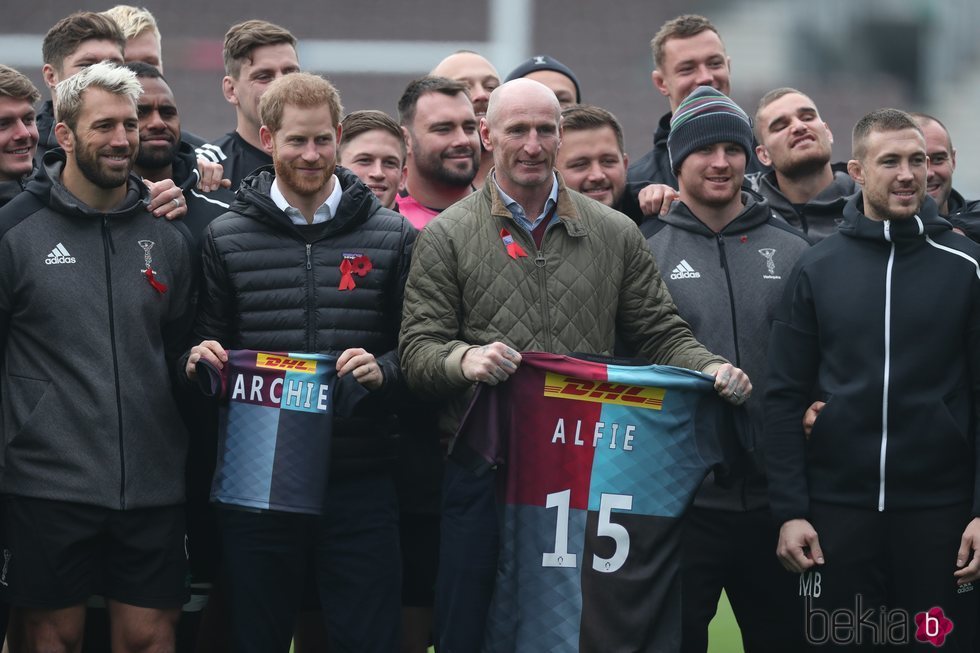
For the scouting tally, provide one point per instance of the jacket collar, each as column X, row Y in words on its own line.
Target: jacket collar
column 565, row 209
column 755, row 211
column 47, row 186
column 356, row 204
column 831, row 198
column 926, row 222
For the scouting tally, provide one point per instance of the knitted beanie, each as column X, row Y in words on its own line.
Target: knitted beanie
column 705, row 117
column 544, row 62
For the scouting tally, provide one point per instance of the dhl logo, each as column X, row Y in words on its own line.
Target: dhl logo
column 603, row 392
column 280, row 362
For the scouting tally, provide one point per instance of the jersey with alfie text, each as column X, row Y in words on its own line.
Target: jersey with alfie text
column 596, row 464
column 274, row 429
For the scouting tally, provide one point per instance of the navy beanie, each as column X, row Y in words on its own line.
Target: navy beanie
column 544, row 62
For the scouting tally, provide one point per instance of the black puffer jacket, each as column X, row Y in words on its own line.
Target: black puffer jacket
column 269, row 285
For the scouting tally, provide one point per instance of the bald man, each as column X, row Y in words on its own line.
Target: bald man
column 473, row 262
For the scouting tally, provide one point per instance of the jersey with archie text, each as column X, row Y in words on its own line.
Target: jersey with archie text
column 274, row 429
column 595, row 465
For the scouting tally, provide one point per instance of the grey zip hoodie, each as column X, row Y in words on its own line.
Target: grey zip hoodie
column 88, row 344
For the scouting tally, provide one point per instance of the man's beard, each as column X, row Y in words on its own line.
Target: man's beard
column 87, row 161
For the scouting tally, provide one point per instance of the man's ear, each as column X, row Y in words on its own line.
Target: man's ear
column 65, row 137
column 266, row 138
column 485, row 134
column 50, row 75
column 856, row 171
column 407, row 135
column 763, row 155
column 228, row 90
column 660, row 83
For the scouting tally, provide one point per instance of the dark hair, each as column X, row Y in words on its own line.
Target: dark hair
column 580, row 117
column 242, row 38
column 71, row 31
column 682, row 27
column 145, row 70
column 15, row 84
column 360, row 122
column 419, row 87
column 879, row 120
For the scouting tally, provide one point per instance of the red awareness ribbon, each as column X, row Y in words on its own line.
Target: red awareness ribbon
column 513, row 249
column 152, row 278
column 359, row 265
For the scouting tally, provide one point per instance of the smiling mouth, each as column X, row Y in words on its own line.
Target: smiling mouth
column 19, row 151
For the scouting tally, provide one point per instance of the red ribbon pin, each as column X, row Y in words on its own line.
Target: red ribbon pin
column 152, row 278
column 513, row 249
column 351, row 265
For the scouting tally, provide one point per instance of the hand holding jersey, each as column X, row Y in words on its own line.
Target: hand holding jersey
column 358, row 362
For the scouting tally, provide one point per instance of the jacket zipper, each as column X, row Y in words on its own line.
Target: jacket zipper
column 887, row 371
column 539, row 263
column 723, row 261
column 310, row 304
column 109, row 248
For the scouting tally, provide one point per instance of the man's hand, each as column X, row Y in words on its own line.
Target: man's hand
column 363, row 366
column 799, row 547
column 656, row 199
column 212, row 176
column 810, row 417
column 166, row 199
column 968, row 557
column 209, row 350
column 731, row 383
column 491, row 363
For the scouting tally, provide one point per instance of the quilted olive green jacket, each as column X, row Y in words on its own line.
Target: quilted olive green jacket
column 593, row 280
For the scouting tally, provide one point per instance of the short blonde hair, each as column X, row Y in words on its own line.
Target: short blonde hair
column 133, row 21
column 105, row 75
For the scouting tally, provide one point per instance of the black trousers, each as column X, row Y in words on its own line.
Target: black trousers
column 887, row 567
column 357, row 568
column 468, row 547
column 736, row 551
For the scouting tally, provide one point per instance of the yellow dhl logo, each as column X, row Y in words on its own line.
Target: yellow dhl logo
column 603, row 392
column 278, row 362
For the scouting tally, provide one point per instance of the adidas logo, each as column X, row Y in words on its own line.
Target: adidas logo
column 684, row 271
column 59, row 255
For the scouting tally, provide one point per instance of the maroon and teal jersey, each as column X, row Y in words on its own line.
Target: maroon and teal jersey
column 274, row 429
column 595, row 465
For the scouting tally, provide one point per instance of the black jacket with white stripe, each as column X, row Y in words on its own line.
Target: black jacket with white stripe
column 881, row 321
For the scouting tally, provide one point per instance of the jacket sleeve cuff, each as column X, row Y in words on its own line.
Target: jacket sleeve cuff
column 454, row 366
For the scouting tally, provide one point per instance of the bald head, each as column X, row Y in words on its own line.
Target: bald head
column 525, row 93
column 523, row 130
column 479, row 75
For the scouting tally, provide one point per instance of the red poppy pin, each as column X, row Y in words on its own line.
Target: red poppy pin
column 513, row 249
column 353, row 263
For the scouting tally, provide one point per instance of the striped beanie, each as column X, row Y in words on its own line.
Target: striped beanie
column 705, row 117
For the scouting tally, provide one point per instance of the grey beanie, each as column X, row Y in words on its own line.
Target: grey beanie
column 705, row 117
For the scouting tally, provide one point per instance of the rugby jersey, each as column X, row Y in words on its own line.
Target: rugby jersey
column 274, row 428
column 596, row 464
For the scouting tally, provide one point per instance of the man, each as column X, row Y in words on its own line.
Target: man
column 514, row 268
column 553, row 74
column 963, row 214
column 803, row 187
column 480, row 78
column 440, row 129
column 373, row 148
column 18, row 131
column 106, row 462
column 310, row 245
column 687, row 53
column 142, row 34
column 896, row 358
column 592, row 159
column 728, row 532
column 256, row 53
column 75, row 42
column 163, row 153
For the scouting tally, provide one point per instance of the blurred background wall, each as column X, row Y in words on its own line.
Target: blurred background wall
column 851, row 57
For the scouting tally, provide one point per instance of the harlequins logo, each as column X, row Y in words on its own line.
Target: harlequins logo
column 768, row 253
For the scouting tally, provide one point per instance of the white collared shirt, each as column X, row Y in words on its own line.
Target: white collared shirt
column 324, row 212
